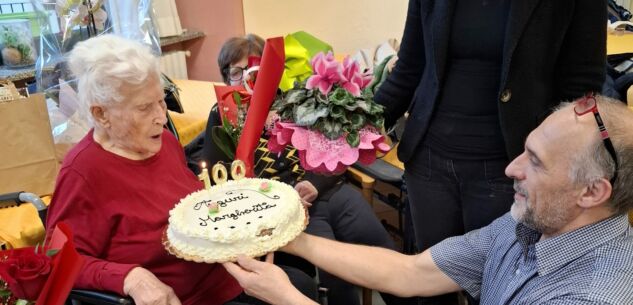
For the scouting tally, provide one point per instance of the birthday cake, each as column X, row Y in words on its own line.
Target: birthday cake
column 246, row 216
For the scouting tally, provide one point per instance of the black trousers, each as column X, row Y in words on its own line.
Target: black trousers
column 450, row 197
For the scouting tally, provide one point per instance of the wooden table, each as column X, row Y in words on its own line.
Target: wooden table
column 618, row 44
column 197, row 98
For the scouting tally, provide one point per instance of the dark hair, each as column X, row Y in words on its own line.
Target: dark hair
column 236, row 48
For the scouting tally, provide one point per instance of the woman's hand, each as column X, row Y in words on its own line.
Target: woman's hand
column 265, row 281
column 146, row 289
column 307, row 192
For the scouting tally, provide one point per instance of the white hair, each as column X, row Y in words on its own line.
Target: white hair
column 104, row 64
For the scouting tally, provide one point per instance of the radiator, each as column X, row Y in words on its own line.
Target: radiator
column 166, row 18
column 174, row 64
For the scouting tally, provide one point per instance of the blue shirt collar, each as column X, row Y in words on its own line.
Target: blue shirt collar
column 572, row 244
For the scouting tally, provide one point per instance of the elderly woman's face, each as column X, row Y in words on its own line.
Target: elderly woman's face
column 136, row 123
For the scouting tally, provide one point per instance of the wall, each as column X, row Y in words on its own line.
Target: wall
column 347, row 25
column 625, row 3
column 219, row 20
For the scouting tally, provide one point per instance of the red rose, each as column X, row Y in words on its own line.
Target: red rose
column 25, row 272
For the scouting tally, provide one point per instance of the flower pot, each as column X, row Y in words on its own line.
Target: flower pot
column 16, row 43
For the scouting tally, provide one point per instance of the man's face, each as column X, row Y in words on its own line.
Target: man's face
column 546, row 197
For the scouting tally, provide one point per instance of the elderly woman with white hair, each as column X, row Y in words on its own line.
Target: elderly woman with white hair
column 117, row 185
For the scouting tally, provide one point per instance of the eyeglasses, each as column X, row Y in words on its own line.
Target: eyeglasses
column 235, row 73
column 589, row 104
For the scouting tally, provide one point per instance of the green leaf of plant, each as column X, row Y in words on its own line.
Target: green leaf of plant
column 337, row 112
column 238, row 99
column 340, row 97
column 320, row 97
column 367, row 94
column 376, row 120
column 359, row 104
column 309, row 112
column 380, row 122
column 287, row 113
column 295, row 96
column 376, row 108
column 230, row 130
column 353, row 139
column 357, row 120
column 223, row 140
column 51, row 252
column 331, row 130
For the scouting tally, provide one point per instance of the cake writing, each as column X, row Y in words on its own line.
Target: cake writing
column 222, row 203
column 236, row 215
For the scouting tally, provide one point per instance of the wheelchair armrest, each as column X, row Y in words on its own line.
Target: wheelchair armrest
column 17, row 198
column 381, row 170
column 10, row 200
column 98, row 297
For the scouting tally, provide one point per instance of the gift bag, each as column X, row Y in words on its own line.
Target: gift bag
column 27, row 157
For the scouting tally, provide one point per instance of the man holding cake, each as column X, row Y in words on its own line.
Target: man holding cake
column 567, row 239
column 117, row 186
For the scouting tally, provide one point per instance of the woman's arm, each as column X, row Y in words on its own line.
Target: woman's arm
column 581, row 64
column 397, row 91
column 266, row 281
column 146, row 289
column 77, row 205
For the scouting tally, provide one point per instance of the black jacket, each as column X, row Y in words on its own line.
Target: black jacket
column 554, row 50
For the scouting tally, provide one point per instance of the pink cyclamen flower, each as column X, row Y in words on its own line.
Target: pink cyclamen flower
column 327, row 72
column 353, row 79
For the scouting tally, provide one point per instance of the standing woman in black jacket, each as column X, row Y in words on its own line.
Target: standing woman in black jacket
column 476, row 76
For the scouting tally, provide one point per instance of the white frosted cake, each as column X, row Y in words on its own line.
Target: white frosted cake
column 246, row 216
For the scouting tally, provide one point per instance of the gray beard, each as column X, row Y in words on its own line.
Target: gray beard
column 546, row 224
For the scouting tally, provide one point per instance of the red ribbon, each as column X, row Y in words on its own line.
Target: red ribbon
column 268, row 78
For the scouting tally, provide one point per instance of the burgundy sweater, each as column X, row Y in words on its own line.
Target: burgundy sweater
column 118, row 210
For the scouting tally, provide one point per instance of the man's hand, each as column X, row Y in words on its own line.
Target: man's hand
column 146, row 289
column 265, row 281
column 307, row 192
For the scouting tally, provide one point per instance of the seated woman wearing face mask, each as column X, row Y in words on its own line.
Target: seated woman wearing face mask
column 337, row 210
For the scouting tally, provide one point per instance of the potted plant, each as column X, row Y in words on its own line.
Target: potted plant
column 17, row 43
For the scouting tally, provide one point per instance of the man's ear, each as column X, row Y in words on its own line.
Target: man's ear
column 99, row 116
column 596, row 194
